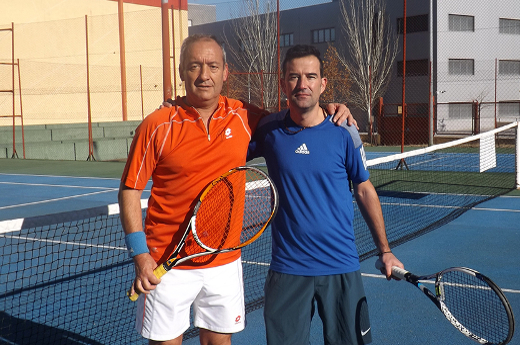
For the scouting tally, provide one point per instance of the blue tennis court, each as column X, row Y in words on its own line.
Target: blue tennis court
column 485, row 238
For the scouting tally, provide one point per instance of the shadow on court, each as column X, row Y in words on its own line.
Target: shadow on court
column 25, row 332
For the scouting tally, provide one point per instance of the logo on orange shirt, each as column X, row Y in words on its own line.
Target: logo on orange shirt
column 228, row 133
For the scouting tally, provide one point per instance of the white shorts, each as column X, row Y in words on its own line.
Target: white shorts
column 217, row 295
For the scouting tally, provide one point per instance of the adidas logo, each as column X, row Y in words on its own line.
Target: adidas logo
column 302, row 150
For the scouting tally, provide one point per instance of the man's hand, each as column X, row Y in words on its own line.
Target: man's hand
column 166, row 104
column 389, row 260
column 145, row 281
column 341, row 113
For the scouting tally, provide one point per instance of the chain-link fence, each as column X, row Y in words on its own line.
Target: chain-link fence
column 70, row 73
column 462, row 70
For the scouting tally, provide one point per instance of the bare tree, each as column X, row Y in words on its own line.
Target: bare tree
column 480, row 102
column 371, row 48
column 338, row 78
column 253, row 49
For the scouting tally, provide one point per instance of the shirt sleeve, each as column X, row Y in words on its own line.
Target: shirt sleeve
column 144, row 152
column 255, row 146
column 356, row 159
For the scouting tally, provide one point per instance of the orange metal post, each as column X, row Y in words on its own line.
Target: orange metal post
column 173, row 55
column 90, row 140
column 21, row 108
column 167, row 82
column 278, row 49
column 403, row 111
column 15, row 154
column 122, row 58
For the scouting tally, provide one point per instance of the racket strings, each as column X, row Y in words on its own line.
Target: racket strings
column 259, row 205
column 232, row 213
column 475, row 305
column 235, row 210
column 214, row 216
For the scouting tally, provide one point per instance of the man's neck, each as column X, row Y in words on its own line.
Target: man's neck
column 307, row 117
column 205, row 109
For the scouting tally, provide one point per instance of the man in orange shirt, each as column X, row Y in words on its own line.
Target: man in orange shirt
column 182, row 149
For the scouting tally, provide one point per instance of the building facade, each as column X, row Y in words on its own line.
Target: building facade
column 465, row 55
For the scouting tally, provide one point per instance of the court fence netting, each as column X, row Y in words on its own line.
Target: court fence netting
column 64, row 276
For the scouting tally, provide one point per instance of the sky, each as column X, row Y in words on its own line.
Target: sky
column 227, row 9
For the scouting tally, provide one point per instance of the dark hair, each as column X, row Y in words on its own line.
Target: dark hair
column 299, row 51
column 195, row 38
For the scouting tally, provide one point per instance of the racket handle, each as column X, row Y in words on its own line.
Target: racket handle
column 159, row 271
column 133, row 297
column 396, row 271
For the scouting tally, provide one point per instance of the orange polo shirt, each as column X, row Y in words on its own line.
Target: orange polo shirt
column 173, row 147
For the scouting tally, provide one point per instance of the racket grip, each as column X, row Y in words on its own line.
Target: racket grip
column 159, row 271
column 133, row 297
column 396, row 271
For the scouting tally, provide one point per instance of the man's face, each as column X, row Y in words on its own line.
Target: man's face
column 302, row 82
column 203, row 72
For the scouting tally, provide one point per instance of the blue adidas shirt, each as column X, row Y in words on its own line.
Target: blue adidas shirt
column 313, row 230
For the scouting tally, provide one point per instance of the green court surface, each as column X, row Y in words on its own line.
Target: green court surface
column 62, row 168
column 115, row 169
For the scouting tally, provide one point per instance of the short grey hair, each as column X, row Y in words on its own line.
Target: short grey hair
column 195, row 38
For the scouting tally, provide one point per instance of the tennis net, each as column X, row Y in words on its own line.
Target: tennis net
column 64, row 276
column 425, row 188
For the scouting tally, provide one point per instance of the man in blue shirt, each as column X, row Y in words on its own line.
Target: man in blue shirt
column 314, row 259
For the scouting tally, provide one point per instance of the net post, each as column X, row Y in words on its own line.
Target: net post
column 517, row 156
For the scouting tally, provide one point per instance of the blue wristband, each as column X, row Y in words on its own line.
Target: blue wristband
column 136, row 243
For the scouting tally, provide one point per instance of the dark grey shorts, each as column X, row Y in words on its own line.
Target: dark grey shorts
column 290, row 302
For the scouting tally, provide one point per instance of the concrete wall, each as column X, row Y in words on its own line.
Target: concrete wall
column 69, row 142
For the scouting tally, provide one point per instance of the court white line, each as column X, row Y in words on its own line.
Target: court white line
column 63, row 242
column 451, row 207
column 79, row 177
column 55, row 199
column 495, row 209
column 255, row 263
column 425, row 205
column 56, row 185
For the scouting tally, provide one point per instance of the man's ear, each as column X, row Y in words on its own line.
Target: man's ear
column 226, row 72
column 323, row 84
column 282, row 86
column 181, row 73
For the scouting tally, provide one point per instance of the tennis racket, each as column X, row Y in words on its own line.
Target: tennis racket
column 231, row 213
column 472, row 302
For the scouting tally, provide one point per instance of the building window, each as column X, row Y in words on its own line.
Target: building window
column 190, row 23
column 509, row 67
column 509, row 109
column 461, row 66
column 413, row 24
column 286, row 40
column 460, row 111
column 414, row 67
column 509, row 26
column 323, row 35
column 461, row 23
